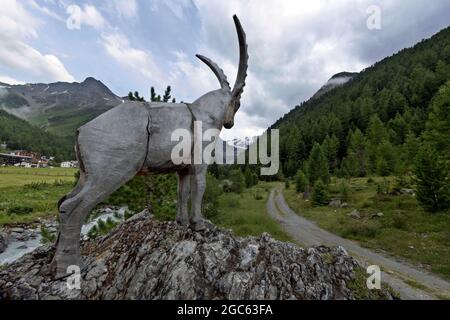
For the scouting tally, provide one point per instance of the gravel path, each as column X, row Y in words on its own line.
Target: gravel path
column 395, row 272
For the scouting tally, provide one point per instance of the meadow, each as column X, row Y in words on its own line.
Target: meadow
column 404, row 229
column 246, row 214
column 27, row 194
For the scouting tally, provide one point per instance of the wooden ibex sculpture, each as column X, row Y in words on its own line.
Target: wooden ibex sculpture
column 136, row 137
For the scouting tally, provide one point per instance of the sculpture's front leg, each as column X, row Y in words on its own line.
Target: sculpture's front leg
column 184, row 186
column 198, row 186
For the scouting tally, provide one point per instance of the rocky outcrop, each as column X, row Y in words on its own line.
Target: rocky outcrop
column 3, row 242
column 147, row 259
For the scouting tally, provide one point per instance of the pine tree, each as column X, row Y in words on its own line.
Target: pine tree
column 301, row 181
column 330, row 149
column 432, row 179
column 409, row 149
column 437, row 131
column 318, row 165
column 137, row 97
column 355, row 163
column 152, row 94
column 320, row 196
column 386, row 158
column 167, row 95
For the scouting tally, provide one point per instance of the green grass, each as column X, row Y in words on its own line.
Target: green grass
column 29, row 194
column 246, row 215
column 15, row 177
column 405, row 230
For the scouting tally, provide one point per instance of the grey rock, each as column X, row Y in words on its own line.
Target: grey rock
column 407, row 191
column 148, row 259
column 344, row 205
column 377, row 215
column 335, row 203
column 3, row 241
column 355, row 214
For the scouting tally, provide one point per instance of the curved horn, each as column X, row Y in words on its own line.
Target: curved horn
column 217, row 71
column 243, row 63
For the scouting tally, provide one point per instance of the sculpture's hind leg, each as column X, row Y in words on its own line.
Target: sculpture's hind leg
column 73, row 213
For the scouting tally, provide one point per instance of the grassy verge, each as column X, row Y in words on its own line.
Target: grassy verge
column 29, row 194
column 246, row 214
column 404, row 229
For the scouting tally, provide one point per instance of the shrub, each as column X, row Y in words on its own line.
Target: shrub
column 344, row 191
column 47, row 236
column 320, row 195
column 287, row 185
column 398, row 222
column 432, row 180
column 19, row 210
column 370, row 180
column 361, row 231
column 238, row 181
column 211, row 197
column 36, row 186
column 258, row 196
column 301, row 181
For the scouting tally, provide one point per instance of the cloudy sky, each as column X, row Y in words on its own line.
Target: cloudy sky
column 294, row 46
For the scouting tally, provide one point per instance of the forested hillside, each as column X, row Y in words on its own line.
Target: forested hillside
column 375, row 123
column 19, row 134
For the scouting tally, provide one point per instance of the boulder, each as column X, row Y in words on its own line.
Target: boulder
column 377, row 215
column 335, row 203
column 355, row 214
column 344, row 205
column 407, row 191
column 148, row 259
column 3, row 242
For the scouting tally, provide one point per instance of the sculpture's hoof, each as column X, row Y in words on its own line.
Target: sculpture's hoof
column 62, row 267
column 182, row 221
column 201, row 225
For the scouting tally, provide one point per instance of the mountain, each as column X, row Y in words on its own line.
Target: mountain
column 58, row 107
column 144, row 258
column 371, row 124
column 336, row 81
column 21, row 135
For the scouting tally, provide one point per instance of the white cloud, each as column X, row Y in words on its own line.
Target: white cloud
column 9, row 80
column 177, row 7
column 17, row 26
column 119, row 48
column 92, row 17
column 45, row 10
column 126, row 8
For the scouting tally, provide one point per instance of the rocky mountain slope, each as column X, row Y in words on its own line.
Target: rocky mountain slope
column 147, row 259
column 58, row 107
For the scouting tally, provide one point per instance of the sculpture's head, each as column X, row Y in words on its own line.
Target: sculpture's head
column 233, row 101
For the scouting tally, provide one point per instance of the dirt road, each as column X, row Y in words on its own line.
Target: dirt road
column 394, row 272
